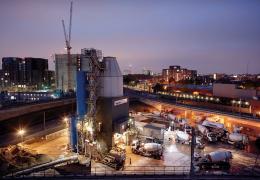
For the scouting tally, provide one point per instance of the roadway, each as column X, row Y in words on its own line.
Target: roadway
column 14, row 112
column 32, row 132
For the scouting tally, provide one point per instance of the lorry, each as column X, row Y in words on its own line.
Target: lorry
column 152, row 149
column 215, row 160
column 210, row 136
column 238, row 140
column 114, row 159
column 212, row 131
column 185, row 138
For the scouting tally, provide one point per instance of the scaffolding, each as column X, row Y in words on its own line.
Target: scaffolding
column 87, row 127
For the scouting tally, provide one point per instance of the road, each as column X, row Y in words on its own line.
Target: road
column 32, row 132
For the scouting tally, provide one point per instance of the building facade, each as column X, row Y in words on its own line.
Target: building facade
column 36, row 69
column 176, row 73
column 79, row 62
column 61, row 70
column 24, row 73
column 13, row 70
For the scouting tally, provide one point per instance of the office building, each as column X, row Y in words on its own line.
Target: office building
column 30, row 73
column 13, row 70
column 50, row 79
column 35, row 70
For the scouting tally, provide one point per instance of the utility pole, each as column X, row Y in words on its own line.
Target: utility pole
column 240, row 102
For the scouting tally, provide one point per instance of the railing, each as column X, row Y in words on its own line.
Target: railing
column 107, row 171
column 142, row 170
column 83, row 171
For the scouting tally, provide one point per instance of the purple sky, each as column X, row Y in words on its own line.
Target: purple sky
column 210, row 36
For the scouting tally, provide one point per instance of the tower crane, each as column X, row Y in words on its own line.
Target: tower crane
column 68, row 47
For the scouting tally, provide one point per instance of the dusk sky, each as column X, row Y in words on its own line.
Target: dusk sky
column 209, row 36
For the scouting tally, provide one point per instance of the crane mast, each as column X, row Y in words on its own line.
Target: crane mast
column 68, row 47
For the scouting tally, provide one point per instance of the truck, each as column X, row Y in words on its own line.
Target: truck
column 210, row 136
column 154, row 150
column 238, row 140
column 114, row 159
column 185, row 138
column 212, row 131
column 215, row 160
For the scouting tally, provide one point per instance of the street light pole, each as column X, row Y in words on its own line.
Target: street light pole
column 193, row 144
column 44, row 122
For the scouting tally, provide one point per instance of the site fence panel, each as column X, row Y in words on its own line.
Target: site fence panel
column 107, row 171
column 130, row 170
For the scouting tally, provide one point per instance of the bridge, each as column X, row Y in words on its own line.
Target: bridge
column 251, row 124
column 37, row 119
column 31, row 108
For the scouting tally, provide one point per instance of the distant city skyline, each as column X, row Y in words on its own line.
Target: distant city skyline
column 219, row 36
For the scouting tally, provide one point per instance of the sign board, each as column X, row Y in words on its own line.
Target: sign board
column 121, row 101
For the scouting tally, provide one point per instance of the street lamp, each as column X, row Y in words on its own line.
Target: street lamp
column 21, row 133
column 65, row 119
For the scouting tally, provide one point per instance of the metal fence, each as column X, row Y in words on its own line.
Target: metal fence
column 142, row 170
column 83, row 171
column 107, row 171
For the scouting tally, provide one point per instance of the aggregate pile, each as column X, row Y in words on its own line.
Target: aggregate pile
column 15, row 157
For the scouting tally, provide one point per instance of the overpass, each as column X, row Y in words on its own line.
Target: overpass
column 36, row 119
column 6, row 114
column 251, row 124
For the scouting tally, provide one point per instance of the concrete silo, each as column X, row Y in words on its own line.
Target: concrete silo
column 112, row 106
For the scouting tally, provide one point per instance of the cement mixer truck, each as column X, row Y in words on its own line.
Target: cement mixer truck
column 154, row 150
column 238, row 140
column 114, row 159
column 215, row 160
column 212, row 131
column 185, row 138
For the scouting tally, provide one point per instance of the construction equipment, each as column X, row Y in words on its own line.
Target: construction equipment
column 212, row 131
column 154, row 150
column 238, row 140
column 68, row 47
column 87, row 127
column 210, row 136
column 95, row 69
column 114, row 159
column 185, row 138
column 215, row 160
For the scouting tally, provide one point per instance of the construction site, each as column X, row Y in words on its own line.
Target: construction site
column 113, row 134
